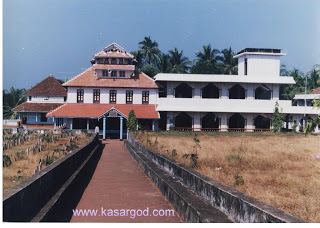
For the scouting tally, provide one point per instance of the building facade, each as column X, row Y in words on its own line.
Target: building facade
column 106, row 92
column 41, row 99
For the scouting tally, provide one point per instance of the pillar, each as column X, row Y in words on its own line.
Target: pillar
column 104, row 127
column 196, row 125
column 250, row 92
column 121, row 127
column 54, row 123
column 223, row 122
column 224, row 92
column 87, row 124
column 71, row 124
column 250, row 123
column 169, row 120
column 153, row 125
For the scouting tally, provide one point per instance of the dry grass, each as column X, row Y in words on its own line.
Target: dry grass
column 280, row 170
column 21, row 170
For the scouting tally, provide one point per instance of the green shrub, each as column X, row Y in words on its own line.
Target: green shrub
column 238, row 180
column 6, row 161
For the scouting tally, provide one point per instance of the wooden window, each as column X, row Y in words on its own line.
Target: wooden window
column 122, row 73
column 113, row 61
column 80, row 94
column 114, row 73
column 43, row 117
column 105, row 73
column 113, row 96
column 145, row 97
column 129, row 96
column 120, row 61
column 96, row 96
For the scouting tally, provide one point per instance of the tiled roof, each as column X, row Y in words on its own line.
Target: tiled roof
column 315, row 91
column 36, row 107
column 76, row 110
column 113, row 67
column 49, row 87
column 88, row 78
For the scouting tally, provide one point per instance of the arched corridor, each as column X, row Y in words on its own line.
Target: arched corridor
column 210, row 91
column 261, row 122
column 209, row 121
column 262, row 93
column 237, row 92
column 183, row 91
column 236, row 121
column 183, row 120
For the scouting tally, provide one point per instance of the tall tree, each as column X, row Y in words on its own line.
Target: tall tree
column 164, row 64
column 314, row 77
column 277, row 119
column 138, row 56
column 11, row 99
column 150, row 50
column 229, row 64
column 207, row 61
column 289, row 91
column 178, row 62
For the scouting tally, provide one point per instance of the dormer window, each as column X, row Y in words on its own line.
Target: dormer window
column 121, row 61
column 29, row 98
column 122, row 73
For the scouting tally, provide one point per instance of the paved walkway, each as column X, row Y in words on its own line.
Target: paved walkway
column 119, row 183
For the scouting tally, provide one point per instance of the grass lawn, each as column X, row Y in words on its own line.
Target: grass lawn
column 22, row 167
column 281, row 170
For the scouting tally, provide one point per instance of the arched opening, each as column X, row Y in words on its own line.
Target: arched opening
column 262, row 93
column 210, row 122
column 210, row 91
column 183, row 121
column 261, row 122
column 237, row 92
column 183, row 91
column 236, row 121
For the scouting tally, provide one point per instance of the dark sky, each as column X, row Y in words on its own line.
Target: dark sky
column 59, row 37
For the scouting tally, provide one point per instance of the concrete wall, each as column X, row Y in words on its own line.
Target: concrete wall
column 104, row 95
column 236, row 205
column 46, row 99
column 26, row 200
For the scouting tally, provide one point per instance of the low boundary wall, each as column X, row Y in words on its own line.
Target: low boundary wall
column 237, row 206
column 25, row 201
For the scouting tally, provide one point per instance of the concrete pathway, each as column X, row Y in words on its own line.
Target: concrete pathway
column 119, row 183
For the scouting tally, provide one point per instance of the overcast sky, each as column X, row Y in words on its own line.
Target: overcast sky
column 59, row 37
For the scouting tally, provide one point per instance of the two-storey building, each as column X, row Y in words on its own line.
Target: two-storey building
column 105, row 93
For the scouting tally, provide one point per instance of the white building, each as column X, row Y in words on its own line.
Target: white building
column 104, row 94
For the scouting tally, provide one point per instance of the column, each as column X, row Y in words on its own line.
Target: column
column 250, row 123
column 36, row 117
column 196, row 90
column 54, row 123
column 104, row 127
column 169, row 120
column 196, row 122
column 71, row 124
column 223, row 122
column 250, row 92
column 224, row 91
column 87, row 124
column 153, row 125
column 121, row 127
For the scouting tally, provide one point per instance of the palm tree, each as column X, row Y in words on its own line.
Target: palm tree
column 229, row 64
column 178, row 62
column 289, row 91
column 11, row 99
column 164, row 64
column 314, row 77
column 138, row 56
column 207, row 61
column 149, row 50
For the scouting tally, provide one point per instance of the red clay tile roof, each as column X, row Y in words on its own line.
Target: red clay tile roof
column 76, row 110
column 36, row 107
column 49, row 87
column 88, row 79
column 113, row 67
column 315, row 91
